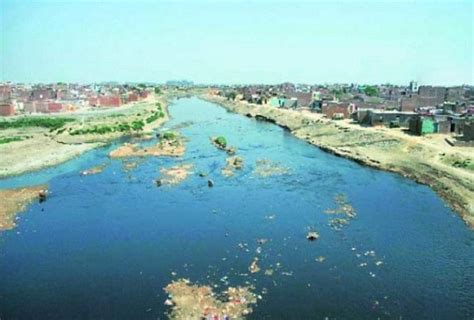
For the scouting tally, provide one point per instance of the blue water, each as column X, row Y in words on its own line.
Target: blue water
column 104, row 246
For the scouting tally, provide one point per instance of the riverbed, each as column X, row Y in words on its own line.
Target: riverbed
column 105, row 245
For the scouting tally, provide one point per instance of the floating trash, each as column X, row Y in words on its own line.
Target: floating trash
column 254, row 268
column 188, row 301
column 312, row 236
column 320, row 259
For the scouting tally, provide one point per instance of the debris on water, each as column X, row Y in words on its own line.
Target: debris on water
column 232, row 163
column 343, row 208
column 242, row 245
column 312, row 236
column 175, row 174
column 262, row 241
column 258, row 250
column 158, row 182
column 254, row 268
column 42, row 194
column 268, row 272
column 370, row 253
column 270, row 216
column 129, row 165
column 94, row 170
column 378, row 263
column 190, row 301
column 168, row 302
column 210, row 183
column 372, row 274
column 363, row 264
column 266, row 168
column 202, row 174
column 320, row 259
column 338, row 223
column 288, row 274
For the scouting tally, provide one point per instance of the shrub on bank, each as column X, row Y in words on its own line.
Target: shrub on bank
column 52, row 123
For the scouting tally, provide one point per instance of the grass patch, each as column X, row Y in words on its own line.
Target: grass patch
column 4, row 140
column 51, row 123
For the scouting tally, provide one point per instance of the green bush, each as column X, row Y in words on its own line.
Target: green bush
column 155, row 116
column 138, row 125
column 52, row 123
column 221, row 141
column 9, row 139
column 170, row 135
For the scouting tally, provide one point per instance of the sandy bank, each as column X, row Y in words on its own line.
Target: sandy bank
column 44, row 148
column 163, row 148
column 417, row 158
column 14, row 201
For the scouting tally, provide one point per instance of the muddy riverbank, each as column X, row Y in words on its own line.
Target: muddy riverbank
column 376, row 148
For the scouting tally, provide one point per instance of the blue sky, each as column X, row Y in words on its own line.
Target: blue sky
column 237, row 41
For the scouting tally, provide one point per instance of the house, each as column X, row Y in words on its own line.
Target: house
column 110, row 101
column 371, row 117
column 330, row 109
column 421, row 125
column 7, row 109
column 276, row 102
column 468, row 131
column 55, row 107
column 304, row 98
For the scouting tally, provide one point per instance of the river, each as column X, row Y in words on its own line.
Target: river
column 104, row 246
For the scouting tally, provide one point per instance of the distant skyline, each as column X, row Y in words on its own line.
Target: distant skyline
column 233, row 42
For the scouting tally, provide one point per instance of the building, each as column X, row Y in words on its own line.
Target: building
column 413, row 87
column 110, row 101
column 422, row 125
column 55, row 107
column 7, row 109
column 336, row 110
column 304, row 98
column 468, row 132
column 370, row 117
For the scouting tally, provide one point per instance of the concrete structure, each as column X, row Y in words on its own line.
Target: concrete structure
column 7, row 109
column 330, row 109
column 468, row 131
column 370, row 117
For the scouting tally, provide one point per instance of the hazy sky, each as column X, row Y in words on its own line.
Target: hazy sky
column 237, row 41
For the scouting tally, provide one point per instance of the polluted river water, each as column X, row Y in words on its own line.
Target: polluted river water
column 107, row 245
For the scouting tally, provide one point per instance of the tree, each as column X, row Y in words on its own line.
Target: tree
column 371, row 91
column 157, row 90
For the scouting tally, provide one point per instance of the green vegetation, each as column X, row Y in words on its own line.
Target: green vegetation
column 104, row 129
column 157, row 90
column 221, row 141
column 52, row 123
column 138, row 125
column 371, row 91
column 4, row 140
column 465, row 164
column 169, row 135
column 155, row 114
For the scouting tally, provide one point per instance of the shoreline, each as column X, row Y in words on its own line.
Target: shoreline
column 45, row 150
column 373, row 147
